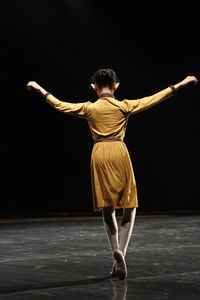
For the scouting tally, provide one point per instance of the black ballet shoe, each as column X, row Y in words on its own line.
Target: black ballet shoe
column 113, row 273
column 121, row 269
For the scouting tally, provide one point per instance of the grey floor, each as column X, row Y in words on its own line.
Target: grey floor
column 71, row 259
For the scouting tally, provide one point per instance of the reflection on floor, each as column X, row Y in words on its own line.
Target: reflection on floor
column 71, row 259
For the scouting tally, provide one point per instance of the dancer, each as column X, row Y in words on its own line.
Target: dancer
column 113, row 181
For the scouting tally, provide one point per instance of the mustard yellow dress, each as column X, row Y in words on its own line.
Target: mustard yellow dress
column 113, row 181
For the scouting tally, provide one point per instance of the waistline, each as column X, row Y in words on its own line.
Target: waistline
column 109, row 139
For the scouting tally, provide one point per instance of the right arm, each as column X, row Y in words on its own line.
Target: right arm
column 78, row 109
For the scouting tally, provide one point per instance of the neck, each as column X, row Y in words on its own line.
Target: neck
column 105, row 91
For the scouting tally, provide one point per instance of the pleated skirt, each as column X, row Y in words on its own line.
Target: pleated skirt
column 112, row 176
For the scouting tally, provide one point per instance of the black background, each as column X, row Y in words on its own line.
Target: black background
column 45, row 159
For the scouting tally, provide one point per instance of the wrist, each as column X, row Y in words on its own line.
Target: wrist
column 46, row 94
column 43, row 92
column 178, row 86
column 173, row 88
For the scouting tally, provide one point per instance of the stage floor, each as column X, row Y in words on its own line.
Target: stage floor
column 71, row 259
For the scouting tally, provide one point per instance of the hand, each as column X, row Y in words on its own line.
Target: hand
column 33, row 85
column 186, row 81
column 189, row 79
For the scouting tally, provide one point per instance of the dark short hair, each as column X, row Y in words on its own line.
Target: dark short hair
column 104, row 78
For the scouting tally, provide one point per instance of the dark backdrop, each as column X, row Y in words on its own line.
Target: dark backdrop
column 45, row 159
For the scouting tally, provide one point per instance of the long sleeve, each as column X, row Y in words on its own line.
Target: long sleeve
column 76, row 109
column 135, row 106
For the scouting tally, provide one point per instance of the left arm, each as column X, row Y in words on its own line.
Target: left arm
column 134, row 106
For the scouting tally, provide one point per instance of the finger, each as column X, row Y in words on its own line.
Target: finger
column 195, row 81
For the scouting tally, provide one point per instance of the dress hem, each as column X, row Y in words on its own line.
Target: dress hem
column 115, row 207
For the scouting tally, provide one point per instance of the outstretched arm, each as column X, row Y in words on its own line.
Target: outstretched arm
column 134, row 106
column 77, row 109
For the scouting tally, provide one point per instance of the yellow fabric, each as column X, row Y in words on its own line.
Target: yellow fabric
column 113, row 182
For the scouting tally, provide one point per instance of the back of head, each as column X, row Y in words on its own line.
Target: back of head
column 104, row 78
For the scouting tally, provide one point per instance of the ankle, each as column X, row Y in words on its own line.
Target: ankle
column 119, row 251
column 122, row 251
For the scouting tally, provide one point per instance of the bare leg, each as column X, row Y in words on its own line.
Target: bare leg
column 119, row 249
column 111, row 227
column 126, row 229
